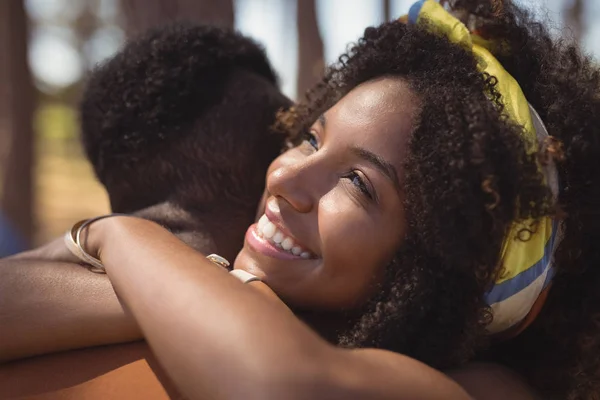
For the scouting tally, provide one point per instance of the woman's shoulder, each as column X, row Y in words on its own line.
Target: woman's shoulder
column 489, row 381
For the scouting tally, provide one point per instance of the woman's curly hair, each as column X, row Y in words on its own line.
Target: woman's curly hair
column 468, row 178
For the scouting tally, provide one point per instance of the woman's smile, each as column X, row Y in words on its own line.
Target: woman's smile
column 270, row 236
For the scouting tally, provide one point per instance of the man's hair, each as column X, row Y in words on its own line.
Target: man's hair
column 468, row 177
column 183, row 114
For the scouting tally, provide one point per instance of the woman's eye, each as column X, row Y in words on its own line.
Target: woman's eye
column 311, row 139
column 360, row 184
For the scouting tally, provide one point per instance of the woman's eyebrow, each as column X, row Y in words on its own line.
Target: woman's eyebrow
column 380, row 163
column 322, row 120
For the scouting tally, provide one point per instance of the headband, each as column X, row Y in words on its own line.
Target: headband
column 526, row 272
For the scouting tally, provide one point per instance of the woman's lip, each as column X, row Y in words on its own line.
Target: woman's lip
column 263, row 246
column 275, row 218
column 261, row 207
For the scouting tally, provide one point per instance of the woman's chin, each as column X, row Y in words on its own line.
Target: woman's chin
column 293, row 280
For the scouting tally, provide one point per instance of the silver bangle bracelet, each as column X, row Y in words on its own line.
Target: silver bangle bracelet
column 73, row 243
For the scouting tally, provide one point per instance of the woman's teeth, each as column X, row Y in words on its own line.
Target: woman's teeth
column 269, row 231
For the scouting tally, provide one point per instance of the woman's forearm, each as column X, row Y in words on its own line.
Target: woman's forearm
column 239, row 345
column 48, row 306
column 219, row 338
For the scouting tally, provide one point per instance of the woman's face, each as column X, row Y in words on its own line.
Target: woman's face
column 333, row 207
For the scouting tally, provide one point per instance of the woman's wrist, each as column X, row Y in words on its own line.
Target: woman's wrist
column 97, row 234
column 92, row 239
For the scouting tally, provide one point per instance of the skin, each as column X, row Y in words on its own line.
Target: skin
column 123, row 371
column 208, row 330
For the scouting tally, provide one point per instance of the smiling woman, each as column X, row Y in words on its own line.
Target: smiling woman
column 437, row 205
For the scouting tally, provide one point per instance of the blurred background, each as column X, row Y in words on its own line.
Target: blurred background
column 48, row 46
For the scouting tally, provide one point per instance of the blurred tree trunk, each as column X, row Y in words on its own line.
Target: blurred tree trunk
column 16, row 114
column 311, row 63
column 141, row 15
column 387, row 11
column 573, row 18
column 85, row 25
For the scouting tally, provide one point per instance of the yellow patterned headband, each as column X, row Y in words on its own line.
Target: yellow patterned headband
column 526, row 271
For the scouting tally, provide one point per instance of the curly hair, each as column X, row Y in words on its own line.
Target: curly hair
column 183, row 113
column 468, row 178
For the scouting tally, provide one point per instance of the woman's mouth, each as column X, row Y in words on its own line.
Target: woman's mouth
column 266, row 238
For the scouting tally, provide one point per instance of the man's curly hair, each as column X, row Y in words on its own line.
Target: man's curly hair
column 468, row 178
column 183, row 114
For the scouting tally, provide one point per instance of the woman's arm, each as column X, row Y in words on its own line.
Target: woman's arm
column 48, row 303
column 218, row 338
column 48, row 306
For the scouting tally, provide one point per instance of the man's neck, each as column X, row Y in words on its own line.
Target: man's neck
column 221, row 231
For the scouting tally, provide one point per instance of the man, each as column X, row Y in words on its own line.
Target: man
column 177, row 128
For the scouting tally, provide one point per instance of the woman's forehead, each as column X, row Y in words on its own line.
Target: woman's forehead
column 377, row 115
column 381, row 103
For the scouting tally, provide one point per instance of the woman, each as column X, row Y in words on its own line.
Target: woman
column 412, row 191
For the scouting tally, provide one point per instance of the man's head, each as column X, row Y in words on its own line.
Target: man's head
column 183, row 114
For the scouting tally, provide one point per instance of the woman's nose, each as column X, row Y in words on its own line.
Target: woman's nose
column 295, row 184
